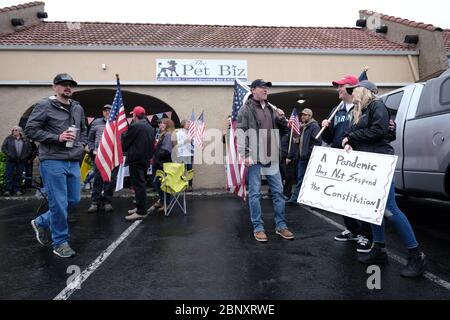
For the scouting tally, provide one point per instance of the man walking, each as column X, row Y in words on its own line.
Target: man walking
column 58, row 124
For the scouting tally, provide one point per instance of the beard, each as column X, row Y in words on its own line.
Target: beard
column 66, row 94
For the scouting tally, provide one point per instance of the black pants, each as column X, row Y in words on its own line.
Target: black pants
column 100, row 186
column 138, row 170
column 358, row 227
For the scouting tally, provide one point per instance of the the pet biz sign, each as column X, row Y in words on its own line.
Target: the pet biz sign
column 354, row 184
column 182, row 70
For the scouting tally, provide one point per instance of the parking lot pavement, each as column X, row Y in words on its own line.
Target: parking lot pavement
column 208, row 254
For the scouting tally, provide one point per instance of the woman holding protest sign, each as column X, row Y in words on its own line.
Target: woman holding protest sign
column 370, row 133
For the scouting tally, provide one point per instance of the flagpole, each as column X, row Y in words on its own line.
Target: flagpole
column 290, row 140
column 329, row 119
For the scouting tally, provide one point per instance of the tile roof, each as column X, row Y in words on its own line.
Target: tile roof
column 446, row 35
column 22, row 6
column 197, row 36
column 405, row 22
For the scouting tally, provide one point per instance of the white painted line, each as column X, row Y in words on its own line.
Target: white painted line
column 428, row 275
column 76, row 283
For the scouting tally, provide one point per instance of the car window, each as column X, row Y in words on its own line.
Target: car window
column 392, row 102
column 444, row 98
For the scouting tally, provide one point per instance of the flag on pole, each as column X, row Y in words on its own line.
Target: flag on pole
column 192, row 130
column 236, row 171
column 294, row 123
column 109, row 154
column 200, row 130
column 363, row 75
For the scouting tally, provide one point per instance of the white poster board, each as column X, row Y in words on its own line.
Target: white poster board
column 354, row 184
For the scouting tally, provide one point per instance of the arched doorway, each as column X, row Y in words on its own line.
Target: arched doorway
column 320, row 100
column 92, row 101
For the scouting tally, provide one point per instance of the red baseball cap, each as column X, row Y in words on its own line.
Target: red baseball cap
column 347, row 80
column 138, row 110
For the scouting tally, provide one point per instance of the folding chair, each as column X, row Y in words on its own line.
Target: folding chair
column 174, row 181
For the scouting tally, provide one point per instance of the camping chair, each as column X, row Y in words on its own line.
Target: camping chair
column 174, row 181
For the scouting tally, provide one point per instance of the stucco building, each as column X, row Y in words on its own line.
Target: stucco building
column 174, row 69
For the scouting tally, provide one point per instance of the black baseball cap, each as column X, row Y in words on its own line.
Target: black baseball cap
column 369, row 85
column 260, row 83
column 64, row 77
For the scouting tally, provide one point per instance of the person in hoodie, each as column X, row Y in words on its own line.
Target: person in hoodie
column 49, row 124
column 309, row 128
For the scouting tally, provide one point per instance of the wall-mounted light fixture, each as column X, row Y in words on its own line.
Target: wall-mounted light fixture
column 104, row 66
column 42, row 15
column 382, row 29
column 361, row 23
column 17, row 22
column 411, row 39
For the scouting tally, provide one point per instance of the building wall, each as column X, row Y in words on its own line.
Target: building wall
column 287, row 71
column 41, row 66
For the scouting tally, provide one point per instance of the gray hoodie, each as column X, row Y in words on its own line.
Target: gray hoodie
column 48, row 120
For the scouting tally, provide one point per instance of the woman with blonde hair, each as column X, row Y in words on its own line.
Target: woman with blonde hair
column 370, row 133
column 163, row 154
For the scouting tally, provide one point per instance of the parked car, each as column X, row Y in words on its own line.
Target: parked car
column 422, row 114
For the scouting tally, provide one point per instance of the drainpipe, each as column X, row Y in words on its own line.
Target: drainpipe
column 413, row 68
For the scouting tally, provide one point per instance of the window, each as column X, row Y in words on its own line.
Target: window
column 444, row 97
column 393, row 103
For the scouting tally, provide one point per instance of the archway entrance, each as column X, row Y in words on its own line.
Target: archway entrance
column 320, row 100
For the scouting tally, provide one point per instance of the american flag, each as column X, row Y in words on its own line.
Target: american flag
column 200, row 132
column 192, row 130
column 293, row 122
column 235, row 170
column 109, row 154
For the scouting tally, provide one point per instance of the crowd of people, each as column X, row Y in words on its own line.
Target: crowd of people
column 361, row 122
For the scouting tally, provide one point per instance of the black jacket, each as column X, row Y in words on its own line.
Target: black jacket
column 9, row 149
column 371, row 133
column 138, row 142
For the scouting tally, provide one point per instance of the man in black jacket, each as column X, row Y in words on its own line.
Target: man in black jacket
column 138, row 143
column 17, row 150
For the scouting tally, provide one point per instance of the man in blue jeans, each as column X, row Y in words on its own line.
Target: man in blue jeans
column 259, row 147
column 60, row 150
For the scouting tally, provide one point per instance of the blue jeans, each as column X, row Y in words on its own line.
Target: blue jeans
column 276, row 186
column 398, row 219
column 62, row 182
column 14, row 175
column 301, row 170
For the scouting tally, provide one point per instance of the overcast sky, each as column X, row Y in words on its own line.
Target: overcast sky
column 324, row 13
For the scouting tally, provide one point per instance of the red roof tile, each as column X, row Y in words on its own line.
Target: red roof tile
column 446, row 35
column 405, row 22
column 197, row 36
column 22, row 6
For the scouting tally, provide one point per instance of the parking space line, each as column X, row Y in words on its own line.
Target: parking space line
column 428, row 275
column 76, row 283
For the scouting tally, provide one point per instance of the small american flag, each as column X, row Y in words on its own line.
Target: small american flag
column 235, row 169
column 293, row 122
column 109, row 154
column 192, row 130
column 200, row 132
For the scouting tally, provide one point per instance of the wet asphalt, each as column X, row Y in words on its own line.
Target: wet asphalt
column 210, row 254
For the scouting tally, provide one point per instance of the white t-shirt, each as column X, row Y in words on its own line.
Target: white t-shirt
column 184, row 145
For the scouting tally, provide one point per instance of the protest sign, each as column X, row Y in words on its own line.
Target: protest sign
column 354, row 184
